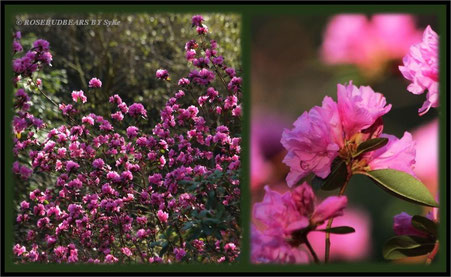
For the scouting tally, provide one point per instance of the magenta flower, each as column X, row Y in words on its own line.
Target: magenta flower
column 319, row 135
column 202, row 30
column 183, row 82
column 132, row 131
column 331, row 207
column 19, row 250
column 71, row 165
column 359, row 107
column 127, row 252
column 197, row 20
column 402, row 225
column 17, row 47
column 271, row 249
column 79, row 95
column 162, row 216
column 397, row 154
column 110, row 259
column 179, row 253
column 98, row 163
column 420, row 66
column 162, row 74
column 41, row 45
column 310, row 145
column 283, row 214
column 137, row 109
column 95, row 83
column 278, row 212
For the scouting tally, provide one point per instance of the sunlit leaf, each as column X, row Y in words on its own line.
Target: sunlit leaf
column 402, row 185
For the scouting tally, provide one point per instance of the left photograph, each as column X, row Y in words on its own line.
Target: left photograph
column 126, row 132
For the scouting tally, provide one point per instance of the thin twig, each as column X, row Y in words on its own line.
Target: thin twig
column 329, row 223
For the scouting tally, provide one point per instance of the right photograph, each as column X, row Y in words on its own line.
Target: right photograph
column 345, row 139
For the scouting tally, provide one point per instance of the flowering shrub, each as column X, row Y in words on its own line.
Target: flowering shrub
column 326, row 147
column 118, row 194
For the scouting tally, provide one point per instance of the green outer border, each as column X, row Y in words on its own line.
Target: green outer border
column 247, row 12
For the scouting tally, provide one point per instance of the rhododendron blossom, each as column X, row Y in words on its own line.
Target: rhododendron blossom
column 283, row 215
column 95, row 83
column 320, row 135
column 420, row 66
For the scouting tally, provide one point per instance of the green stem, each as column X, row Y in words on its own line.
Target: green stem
column 329, row 223
column 310, row 248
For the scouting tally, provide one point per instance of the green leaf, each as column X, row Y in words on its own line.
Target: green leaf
column 402, row 185
column 370, row 145
column 336, row 178
column 407, row 246
column 164, row 248
column 424, row 224
column 187, row 225
column 338, row 230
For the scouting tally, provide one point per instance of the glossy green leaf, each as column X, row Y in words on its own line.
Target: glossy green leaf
column 370, row 145
column 164, row 248
column 407, row 246
column 336, row 178
column 402, row 185
column 424, row 224
column 338, row 230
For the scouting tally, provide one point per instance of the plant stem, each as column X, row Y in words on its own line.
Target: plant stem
column 310, row 248
column 431, row 255
column 329, row 223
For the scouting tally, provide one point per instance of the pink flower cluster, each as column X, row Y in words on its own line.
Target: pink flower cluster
column 368, row 43
column 285, row 214
column 124, row 193
column 420, row 66
column 33, row 60
column 323, row 133
column 17, row 47
column 95, row 83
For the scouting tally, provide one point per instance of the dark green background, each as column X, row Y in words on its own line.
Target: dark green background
column 247, row 11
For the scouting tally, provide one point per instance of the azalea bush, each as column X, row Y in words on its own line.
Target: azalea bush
column 116, row 190
column 331, row 143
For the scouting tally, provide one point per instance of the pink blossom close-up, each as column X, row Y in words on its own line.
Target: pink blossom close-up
column 359, row 107
column 310, row 145
column 420, row 66
column 283, row 214
column 275, row 249
column 397, row 154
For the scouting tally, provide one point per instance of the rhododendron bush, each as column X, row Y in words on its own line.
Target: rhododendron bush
column 116, row 190
column 330, row 144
